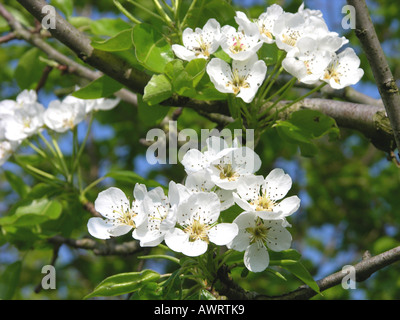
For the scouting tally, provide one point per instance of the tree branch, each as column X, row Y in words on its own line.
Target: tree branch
column 363, row 270
column 102, row 249
column 110, row 64
column 388, row 90
column 34, row 39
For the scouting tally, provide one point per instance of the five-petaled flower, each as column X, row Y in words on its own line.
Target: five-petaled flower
column 121, row 216
column 242, row 79
column 200, row 43
column 255, row 236
column 197, row 225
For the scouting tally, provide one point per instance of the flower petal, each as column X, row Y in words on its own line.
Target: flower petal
column 98, row 228
column 277, row 184
column 256, row 257
column 111, row 201
column 223, row 233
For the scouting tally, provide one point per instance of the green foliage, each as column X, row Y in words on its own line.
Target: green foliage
column 348, row 186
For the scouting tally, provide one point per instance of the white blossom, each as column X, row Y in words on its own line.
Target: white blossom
column 23, row 118
column 265, row 196
column 61, row 116
column 243, row 79
column 121, row 216
column 291, row 27
column 197, row 225
column 255, row 236
column 240, row 44
column 7, row 148
column 265, row 22
column 343, row 70
column 159, row 216
column 311, row 56
column 225, row 165
column 200, row 43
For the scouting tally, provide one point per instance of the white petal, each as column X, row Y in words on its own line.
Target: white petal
column 288, row 205
column 241, row 241
column 249, row 187
column 98, row 228
column 220, row 74
column 256, row 257
column 278, row 238
column 140, row 191
column 223, row 233
column 110, row 200
column 175, row 238
column 277, row 184
column 119, row 230
column 194, row 161
column 195, row 248
column 183, row 53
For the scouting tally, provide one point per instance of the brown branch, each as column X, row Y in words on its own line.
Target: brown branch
column 8, row 37
column 363, row 270
column 53, row 54
column 370, row 120
column 385, row 81
column 98, row 248
column 110, row 64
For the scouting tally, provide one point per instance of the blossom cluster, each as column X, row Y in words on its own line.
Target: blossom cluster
column 311, row 50
column 25, row 116
column 191, row 215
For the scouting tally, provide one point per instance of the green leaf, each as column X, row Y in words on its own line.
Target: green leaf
column 123, row 283
column 17, row 184
column 149, row 291
column 33, row 212
column 66, row 6
column 9, row 280
column 298, row 270
column 102, row 87
column 29, row 69
column 152, row 49
column 150, row 115
column 120, row 42
column 304, row 126
column 108, row 26
column 132, row 178
column 157, row 90
column 196, row 69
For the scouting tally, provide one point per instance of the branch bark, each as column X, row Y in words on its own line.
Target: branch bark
column 102, row 249
column 385, row 81
column 363, row 270
column 108, row 63
column 34, row 39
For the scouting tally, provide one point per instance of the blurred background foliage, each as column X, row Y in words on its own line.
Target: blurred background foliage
column 349, row 190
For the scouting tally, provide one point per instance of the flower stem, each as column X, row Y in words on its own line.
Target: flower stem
column 126, row 12
column 146, row 10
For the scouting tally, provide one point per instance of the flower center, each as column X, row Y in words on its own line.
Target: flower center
column 237, row 82
column 202, row 48
column 125, row 216
column 265, row 31
column 332, row 73
column 291, row 37
column 68, row 123
column 227, row 172
column 264, row 203
column 197, row 231
column 237, row 45
column 259, row 232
